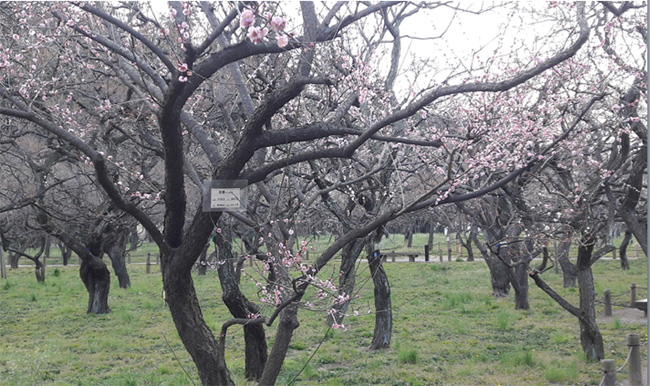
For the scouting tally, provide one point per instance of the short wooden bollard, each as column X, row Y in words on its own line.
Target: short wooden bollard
column 609, row 372
column 426, row 252
column 148, row 262
column 607, row 295
column 636, row 376
column 440, row 251
column 632, row 294
column 448, row 250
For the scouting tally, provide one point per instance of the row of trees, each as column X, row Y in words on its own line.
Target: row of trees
column 115, row 114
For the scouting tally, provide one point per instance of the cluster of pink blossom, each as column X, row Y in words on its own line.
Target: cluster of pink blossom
column 256, row 33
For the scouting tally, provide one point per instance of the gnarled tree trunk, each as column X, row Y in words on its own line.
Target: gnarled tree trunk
column 97, row 279
column 590, row 336
column 240, row 307
column 115, row 248
column 288, row 323
column 625, row 264
column 383, row 310
column 194, row 332
column 569, row 270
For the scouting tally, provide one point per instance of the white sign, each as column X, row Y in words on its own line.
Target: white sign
column 224, row 195
column 225, row 198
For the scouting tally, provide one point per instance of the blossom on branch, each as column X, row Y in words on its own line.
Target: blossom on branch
column 247, row 18
column 256, row 34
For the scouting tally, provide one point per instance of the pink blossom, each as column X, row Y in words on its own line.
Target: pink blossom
column 247, row 18
column 256, row 34
column 16, row 36
column 182, row 79
column 182, row 67
column 278, row 24
column 283, row 41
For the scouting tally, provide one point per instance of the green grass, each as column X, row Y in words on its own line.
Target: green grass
column 448, row 330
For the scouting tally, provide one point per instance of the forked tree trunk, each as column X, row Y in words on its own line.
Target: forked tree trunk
column 383, row 310
column 288, row 323
column 467, row 245
column 97, row 279
column 116, row 252
column 256, row 349
column 194, row 332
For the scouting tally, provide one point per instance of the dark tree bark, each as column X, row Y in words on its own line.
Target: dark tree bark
column 625, row 264
column 519, row 280
column 590, row 336
column 288, row 323
column 499, row 274
column 256, row 349
column 194, row 332
column 569, row 270
column 39, row 270
column 66, row 253
column 467, row 245
column 408, row 236
column 97, row 279
column 115, row 248
column 432, row 227
column 383, row 310
column 39, row 267
column 14, row 258
column 349, row 256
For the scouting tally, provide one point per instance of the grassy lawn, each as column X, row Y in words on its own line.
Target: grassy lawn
column 448, row 330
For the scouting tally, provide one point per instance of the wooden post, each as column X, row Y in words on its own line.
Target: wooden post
column 614, row 253
column 636, row 249
column 632, row 294
column 3, row 266
column 608, row 303
column 636, row 376
column 440, row 251
column 426, row 252
column 392, row 258
column 148, row 262
column 157, row 258
column 609, row 372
